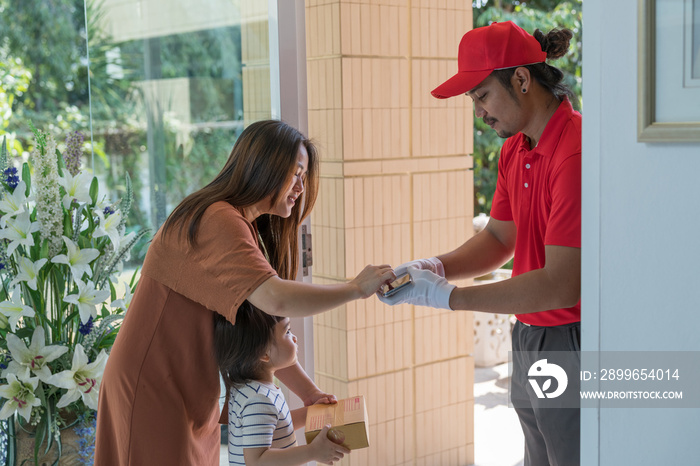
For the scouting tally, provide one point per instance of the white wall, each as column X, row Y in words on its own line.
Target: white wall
column 640, row 244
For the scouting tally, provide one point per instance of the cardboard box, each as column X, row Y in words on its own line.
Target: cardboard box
column 348, row 416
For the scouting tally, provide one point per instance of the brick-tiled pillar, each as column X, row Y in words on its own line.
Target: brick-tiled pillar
column 255, row 57
column 395, row 186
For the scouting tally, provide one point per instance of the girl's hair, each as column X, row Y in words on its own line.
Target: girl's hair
column 261, row 165
column 238, row 348
column 555, row 43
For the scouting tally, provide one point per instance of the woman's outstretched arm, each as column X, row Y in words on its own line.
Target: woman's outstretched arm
column 289, row 298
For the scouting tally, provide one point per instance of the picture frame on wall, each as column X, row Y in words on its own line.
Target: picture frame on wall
column 669, row 71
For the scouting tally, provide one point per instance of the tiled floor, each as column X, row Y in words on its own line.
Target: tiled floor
column 498, row 440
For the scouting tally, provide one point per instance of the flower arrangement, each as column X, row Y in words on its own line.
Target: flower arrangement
column 61, row 245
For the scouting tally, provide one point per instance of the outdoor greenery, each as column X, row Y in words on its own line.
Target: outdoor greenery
column 57, row 94
column 537, row 14
column 169, row 145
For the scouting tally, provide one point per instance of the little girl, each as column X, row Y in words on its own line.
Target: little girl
column 260, row 425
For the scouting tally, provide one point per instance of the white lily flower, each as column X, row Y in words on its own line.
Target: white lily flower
column 109, row 226
column 35, row 358
column 20, row 396
column 22, row 372
column 77, row 259
column 86, row 299
column 102, row 201
column 124, row 302
column 14, row 308
column 82, row 380
column 28, row 271
column 13, row 203
column 77, row 187
column 19, row 232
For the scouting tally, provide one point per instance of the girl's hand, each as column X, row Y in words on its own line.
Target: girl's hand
column 372, row 278
column 326, row 451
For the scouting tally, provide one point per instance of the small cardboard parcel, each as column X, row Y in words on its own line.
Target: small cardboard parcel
column 348, row 416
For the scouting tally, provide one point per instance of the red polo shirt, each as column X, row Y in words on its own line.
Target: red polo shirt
column 540, row 190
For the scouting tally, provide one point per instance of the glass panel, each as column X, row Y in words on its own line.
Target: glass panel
column 179, row 69
column 40, row 81
column 158, row 89
column 161, row 92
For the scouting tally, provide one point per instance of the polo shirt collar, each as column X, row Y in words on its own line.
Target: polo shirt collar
column 552, row 131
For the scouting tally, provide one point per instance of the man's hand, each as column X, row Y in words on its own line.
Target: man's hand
column 433, row 264
column 427, row 289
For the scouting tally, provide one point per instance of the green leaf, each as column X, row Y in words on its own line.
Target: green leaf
column 44, row 248
column 94, row 190
column 3, row 153
column 24, row 332
column 11, row 442
column 67, row 225
column 134, row 276
column 26, row 177
column 59, row 161
column 73, row 315
column 60, row 279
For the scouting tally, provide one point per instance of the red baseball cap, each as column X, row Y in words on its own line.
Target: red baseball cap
column 485, row 49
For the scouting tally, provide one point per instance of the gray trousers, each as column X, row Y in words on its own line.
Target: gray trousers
column 552, row 435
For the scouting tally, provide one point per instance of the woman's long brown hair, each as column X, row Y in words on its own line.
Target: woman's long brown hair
column 261, row 166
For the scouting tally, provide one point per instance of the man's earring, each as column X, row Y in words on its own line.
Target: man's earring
column 524, row 90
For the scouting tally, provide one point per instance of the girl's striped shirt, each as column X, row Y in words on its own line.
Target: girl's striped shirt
column 258, row 416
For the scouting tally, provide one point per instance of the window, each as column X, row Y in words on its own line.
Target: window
column 160, row 89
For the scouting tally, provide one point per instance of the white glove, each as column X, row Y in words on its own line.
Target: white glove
column 433, row 264
column 428, row 289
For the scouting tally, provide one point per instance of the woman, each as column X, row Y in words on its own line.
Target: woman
column 234, row 239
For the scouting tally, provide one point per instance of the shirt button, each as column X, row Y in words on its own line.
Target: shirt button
column 526, row 185
column 527, row 165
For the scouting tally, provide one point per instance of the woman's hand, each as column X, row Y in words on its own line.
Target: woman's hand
column 372, row 278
